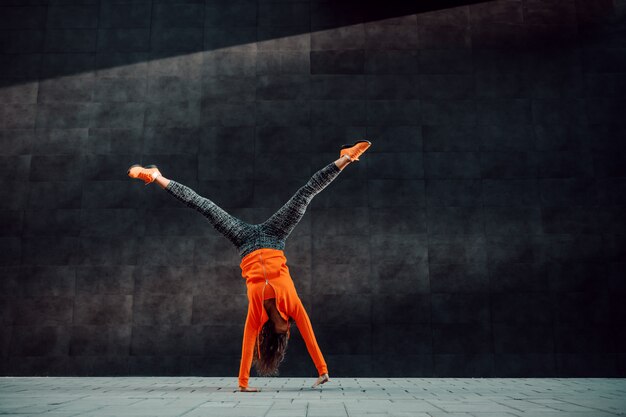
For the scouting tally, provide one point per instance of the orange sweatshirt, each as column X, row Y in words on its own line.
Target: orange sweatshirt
column 261, row 268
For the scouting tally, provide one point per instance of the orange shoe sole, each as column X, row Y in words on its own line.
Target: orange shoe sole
column 145, row 167
column 347, row 146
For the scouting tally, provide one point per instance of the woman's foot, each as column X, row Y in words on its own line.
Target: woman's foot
column 147, row 174
column 343, row 161
column 355, row 150
column 322, row 379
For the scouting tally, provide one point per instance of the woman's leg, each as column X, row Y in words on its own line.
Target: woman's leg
column 234, row 229
column 282, row 223
column 162, row 181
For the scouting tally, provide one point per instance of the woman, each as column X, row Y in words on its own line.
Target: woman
column 273, row 301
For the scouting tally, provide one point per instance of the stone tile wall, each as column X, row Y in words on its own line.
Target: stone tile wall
column 483, row 234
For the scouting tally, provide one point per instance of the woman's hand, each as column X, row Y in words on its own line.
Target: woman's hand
column 322, row 379
column 248, row 389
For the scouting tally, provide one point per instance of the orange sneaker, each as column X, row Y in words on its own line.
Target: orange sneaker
column 355, row 150
column 148, row 174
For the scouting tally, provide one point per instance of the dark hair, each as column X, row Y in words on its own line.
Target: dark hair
column 272, row 347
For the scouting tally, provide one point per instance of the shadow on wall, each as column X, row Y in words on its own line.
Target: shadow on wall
column 40, row 42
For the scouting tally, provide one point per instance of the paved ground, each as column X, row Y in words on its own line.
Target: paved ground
column 291, row 397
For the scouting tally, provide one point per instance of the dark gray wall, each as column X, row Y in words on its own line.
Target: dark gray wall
column 483, row 234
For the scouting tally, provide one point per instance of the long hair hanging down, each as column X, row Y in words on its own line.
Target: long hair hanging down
column 273, row 347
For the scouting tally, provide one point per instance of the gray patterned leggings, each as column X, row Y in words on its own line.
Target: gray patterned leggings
column 270, row 234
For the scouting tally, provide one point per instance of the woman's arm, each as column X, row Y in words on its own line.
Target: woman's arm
column 247, row 350
column 306, row 330
column 322, row 379
column 248, row 389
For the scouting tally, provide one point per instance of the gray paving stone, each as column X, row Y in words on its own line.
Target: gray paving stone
column 287, row 397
